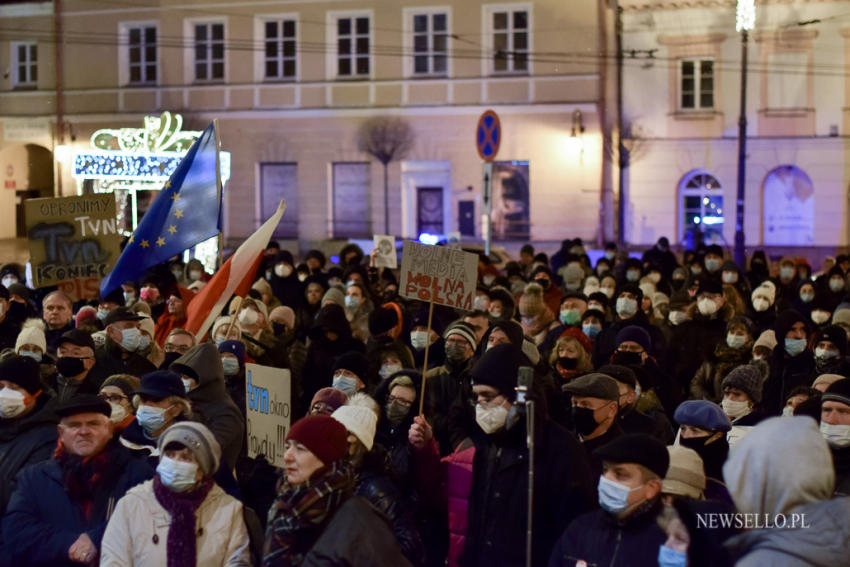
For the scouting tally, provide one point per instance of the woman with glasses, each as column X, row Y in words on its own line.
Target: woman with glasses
column 117, row 391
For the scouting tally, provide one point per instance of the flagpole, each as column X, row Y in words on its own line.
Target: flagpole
column 219, row 188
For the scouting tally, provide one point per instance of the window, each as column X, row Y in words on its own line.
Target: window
column 209, row 52
column 430, row 44
column 280, row 50
column 697, row 84
column 352, row 36
column 141, row 54
column 280, row 181
column 787, row 80
column 24, row 64
column 351, row 200
column 510, row 41
column 702, row 209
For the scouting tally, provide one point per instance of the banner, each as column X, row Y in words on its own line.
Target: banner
column 74, row 242
column 439, row 274
column 385, row 256
column 267, row 401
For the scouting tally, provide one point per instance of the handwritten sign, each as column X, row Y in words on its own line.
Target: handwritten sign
column 73, row 241
column 267, row 401
column 385, row 256
column 438, row 274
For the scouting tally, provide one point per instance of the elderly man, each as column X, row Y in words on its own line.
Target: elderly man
column 118, row 354
column 59, row 317
column 58, row 513
column 594, row 412
column 74, row 366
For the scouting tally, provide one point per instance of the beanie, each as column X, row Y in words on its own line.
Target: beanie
column 324, row 436
column 578, row 335
column 464, row 330
column 498, row 368
column 198, row 439
column 125, row 382
column 225, row 322
column 767, row 339
column 283, row 314
column 382, row 319
column 841, row 315
column 354, row 362
column 359, row 420
column 333, row 295
column 262, row 286
column 747, row 378
column 531, row 303
column 833, row 334
column 510, row 327
column 838, row 391
column 146, row 324
column 32, row 333
column 236, row 348
column 329, row 396
column 634, row 334
column 765, row 290
column 86, row 315
column 685, row 475
column 22, row 371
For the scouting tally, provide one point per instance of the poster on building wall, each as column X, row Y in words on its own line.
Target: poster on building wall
column 439, row 274
column 789, row 207
column 73, row 241
column 510, row 190
column 267, row 411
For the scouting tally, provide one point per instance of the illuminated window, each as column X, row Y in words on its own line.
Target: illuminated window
column 701, row 199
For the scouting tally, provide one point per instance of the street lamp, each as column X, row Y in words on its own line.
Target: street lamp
column 745, row 20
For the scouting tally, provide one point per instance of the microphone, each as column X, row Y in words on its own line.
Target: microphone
column 523, row 385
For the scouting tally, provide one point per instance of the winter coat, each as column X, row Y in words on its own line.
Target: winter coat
column 606, row 340
column 786, row 373
column 708, row 380
column 42, row 522
column 458, row 473
column 52, row 336
column 598, row 538
column 30, row 439
column 111, row 359
column 211, row 402
column 137, row 533
column 841, row 460
column 695, row 341
column 359, row 320
column 443, row 387
column 289, row 290
column 563, row 489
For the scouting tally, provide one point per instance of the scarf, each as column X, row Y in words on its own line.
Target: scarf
column 181, row 547
column 299, row 513
column 532, row 326
column 85, row 477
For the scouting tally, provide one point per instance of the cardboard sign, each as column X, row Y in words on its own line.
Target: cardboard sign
column 385, row 257
column 267, row 401
column 439, row 274
column 73, row 241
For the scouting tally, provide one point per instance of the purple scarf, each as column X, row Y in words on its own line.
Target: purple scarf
column 181, row 546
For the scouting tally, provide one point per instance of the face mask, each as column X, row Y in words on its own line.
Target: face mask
column 626, row 358
column 176, row 475
column 837, row 435
column 345, row 384
column 610, row 255
column 195, row 275
column 230, row 366
column 590, row 330
column 632, row 275
column 418, row 339
column 187, row 384
column 836, row 285
column 118, row 414
column 130, row 339
column 490, row 420
column 602, row 269
column 696, row 269
column 729, row 277
column 129, row 297
column 11, row 403
column 735, row 409
column 455, row 353
column 396, row 413
column 613, row 496
column 388, row 370
column 101, row 314
column 787, row 411
column 712, row 265
column 707, row 306
column 572, row 286
column 544, row 283
column 735, row 341
column 69, row 366
column 149, row 294
column 807, row 297
column 583, row 420
column 568, row 363
column 248, row 317
column 823, row 354
column 495, row 314
column 334, row 282
column 36, row 356
column 283, row 270
column 488, row 279
column 786, row 273
column 9, row 280
column 570, row 317
column 760, row 304
column 668, row 557
column 144, row 343
column 608, row 291
column 677, row 317
column 820, row 317
column 152, row 419
column 654, row 277
column 351, row 302
column 219, row 340
column 480, row 303
column 626, row 307
column 795, row 346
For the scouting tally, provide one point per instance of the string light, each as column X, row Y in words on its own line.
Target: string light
column 113, row 165
column 745, row 15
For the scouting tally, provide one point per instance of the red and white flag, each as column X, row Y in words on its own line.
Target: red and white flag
column 235, row 277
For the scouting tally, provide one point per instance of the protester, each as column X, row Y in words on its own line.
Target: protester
column 741, row 397
column 58, row 315
column 75, row 366
column 174, row 316
column 703, row 427
column 791, row 364
column 835, row 427
column 734, row 350
column 160, row 401
column 594, row 412
column 118, row 354
column 232, row 355
column 118, row 391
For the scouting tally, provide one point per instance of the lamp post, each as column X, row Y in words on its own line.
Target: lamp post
column 745, row 19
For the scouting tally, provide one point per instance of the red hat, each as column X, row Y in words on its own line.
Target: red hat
column 578, row 335
column 331, row 396
column 323, row 435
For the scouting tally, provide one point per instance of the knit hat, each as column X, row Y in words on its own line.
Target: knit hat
column 833, row 334
column 283, row 314
column 236, row 348
column 32, row 333
column 531, row 303
column 382, row 319
column 578, row 335
column 126, row 383
column 703, row 414
column 680, row 300
column 22, row 371
column 747, row 378
column 659, row 298
column 838, row 391
column 20, row 290
column 766, row 289
column 638, row 448
column 647, row 288
column 198, row 439
column 146, row 325
column 573, row 272
column 324, row 436
column 359, row 420
column 224, row 322
column 767, row 339
column 828, row 379
column 354, row 362
column 841, row 315
column 634, row 334
column 262, row 286
column 330, row 396
column 710, row 285
column 498, row 368
column 333, row 295
column 686, row 473
column 785, row 320
column 464, row 330
column 508, row 326
column 86, row 314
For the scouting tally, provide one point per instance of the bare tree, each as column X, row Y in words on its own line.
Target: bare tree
column 386, row 138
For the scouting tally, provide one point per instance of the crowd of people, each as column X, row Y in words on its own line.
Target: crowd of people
column 682, row 406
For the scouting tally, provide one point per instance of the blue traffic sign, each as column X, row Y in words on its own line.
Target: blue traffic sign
column 488, row 135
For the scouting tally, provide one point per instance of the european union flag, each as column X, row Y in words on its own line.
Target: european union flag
column 185, row 213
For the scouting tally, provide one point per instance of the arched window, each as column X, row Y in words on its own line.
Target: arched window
column 701, row 209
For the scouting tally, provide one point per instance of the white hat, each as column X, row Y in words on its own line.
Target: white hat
column 32, row 333
column 765, row 289
column 359, row 420
column 146, row 324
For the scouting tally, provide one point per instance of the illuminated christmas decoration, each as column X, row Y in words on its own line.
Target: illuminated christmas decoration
column 745, row 15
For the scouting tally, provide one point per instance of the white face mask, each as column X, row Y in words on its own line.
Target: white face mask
column 735, row 409
column 195, row 275
column 837, row 435
column 480, row 303
column 283, row 270
column 490, row 420
column 388, row 370
column 787, row 411
column 608, row 291
column 760, row 304
column 130, row 339
column 11, row 403
column 9, row 280
column 178, row 476
column 820, row 317
column 707, row 306
column 729, row 277
column 626, row 307
column 823, row 354
column 677, row 317
column 248, row 317
column 735, row 341
column 119, row 412
column 419, row 339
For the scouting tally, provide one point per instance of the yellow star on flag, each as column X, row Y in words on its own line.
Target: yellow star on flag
column 168, row 184
column 160, row 241
column 172, row 229
column 132, row 236
column 178, row 213
column 144, row 243
column 175, row 196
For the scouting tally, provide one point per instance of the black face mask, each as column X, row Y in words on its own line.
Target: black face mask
column 625, row 358
column 69, row 366
column 456, row 354
column 713, row 455
column 169, row 358
column 396, row 413
column 279, row 328
column 583, row 420
column 544, row 283
column 568, row 363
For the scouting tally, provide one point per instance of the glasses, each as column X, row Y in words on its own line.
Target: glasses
column 117, row 398
column 171, row 347
column 402, row 401
column 487, row 400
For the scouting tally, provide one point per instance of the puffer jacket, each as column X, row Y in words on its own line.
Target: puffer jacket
column 458, row 472
column 137, row 534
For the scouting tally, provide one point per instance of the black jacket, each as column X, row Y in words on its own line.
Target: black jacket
column 112, row 359
column 786, row 373
column 606, row 340
column 443, row 387
column 841, row 460
column 52, row 336
column 694, row 342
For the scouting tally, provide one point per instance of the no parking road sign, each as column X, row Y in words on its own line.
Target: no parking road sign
column 488, row 134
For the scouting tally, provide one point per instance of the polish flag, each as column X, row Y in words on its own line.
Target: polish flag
column 235, row 277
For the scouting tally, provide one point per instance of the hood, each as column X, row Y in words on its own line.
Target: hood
column 783, row 463
column 205, row 360
column 331, row 318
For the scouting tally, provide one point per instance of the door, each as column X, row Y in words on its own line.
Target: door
column 429, row 207
column 466, row 217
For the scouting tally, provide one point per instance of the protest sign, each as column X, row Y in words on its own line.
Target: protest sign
column 73, row 241
column 385, row 256
column 267, row 401
column 438, row 274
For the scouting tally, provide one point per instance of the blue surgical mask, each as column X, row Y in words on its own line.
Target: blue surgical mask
column 130, row 339
column 219, row 340
column 152, row 419
column 668, row 557
column 613, row 496
column 807, row 297
column 36, row 356
column 352, row 302
column 712, row 265
column 795, row 346
column 345, row 384
column 591, row 330
column 230, row 366
column 101, row 314
column 144, row 343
